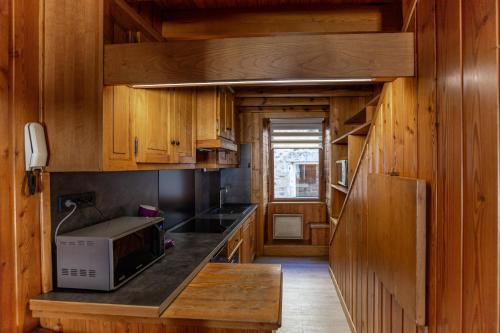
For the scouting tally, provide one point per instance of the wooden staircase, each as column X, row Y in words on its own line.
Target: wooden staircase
column 381, row 139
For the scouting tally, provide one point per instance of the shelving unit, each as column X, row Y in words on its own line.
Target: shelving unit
column 365, row 114
column 360, row 130
column 351, row 122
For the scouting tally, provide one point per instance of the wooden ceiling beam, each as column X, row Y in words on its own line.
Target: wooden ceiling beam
column 303, row 108
column 316, row 91
column 282, row 101
column 315, row 57
column 230, row 23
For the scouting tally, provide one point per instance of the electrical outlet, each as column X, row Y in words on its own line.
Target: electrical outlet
column 86, row 199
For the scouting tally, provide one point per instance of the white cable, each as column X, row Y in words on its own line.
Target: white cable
column 67, row 203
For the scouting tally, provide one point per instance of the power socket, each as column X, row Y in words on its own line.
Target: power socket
column 86, row 199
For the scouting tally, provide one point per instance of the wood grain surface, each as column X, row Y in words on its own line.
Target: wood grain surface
column 261, row 58
column 246, row 293
column 371, row 306
column 230, row 23
column 20, row 213
column 396, row 239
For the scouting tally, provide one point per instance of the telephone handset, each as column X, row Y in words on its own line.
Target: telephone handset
column 35, row 153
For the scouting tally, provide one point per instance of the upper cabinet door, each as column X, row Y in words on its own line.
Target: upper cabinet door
column 221, row 107
column 154, row 138
column 230, row 116
column 117, row 120
column 184, row 108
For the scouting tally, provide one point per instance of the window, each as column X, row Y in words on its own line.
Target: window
column 296, row 146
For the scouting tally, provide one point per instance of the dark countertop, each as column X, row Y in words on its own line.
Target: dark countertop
column 156, row 287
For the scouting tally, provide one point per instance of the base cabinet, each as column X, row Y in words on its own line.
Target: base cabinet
column 248, row 245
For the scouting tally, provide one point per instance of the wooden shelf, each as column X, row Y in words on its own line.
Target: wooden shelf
column 360, row 116
column 360, row 130
column 340, row 188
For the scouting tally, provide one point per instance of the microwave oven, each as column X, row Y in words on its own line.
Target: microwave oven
column 342, row 173
column 106, row 255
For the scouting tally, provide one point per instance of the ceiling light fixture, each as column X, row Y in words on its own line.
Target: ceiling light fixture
column 254, row 82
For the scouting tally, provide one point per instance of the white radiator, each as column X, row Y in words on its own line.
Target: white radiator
column 288, row 226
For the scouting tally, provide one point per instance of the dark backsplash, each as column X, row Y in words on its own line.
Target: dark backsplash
column 117, row 194
column 238, row 179
column 207, row 189
column 176, row 195
column 179, row 193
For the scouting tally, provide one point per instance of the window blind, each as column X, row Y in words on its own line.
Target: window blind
column 297, row 133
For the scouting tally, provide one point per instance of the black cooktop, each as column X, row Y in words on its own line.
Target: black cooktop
column 204, row 225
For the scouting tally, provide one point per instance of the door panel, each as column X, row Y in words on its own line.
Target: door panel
column 222, row 95
column 184, row 107
column 154, row 123
column 229, row 116
column 117, row 123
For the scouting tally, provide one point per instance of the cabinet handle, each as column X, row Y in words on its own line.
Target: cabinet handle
column 177, row 142
column 136, row 146
column 172, row 142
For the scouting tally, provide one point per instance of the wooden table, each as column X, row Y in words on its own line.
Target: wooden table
column 222, row 298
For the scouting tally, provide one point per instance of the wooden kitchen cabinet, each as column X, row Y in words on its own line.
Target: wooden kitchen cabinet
column 165, row 125
column 154, row 125
column 215, row 111
column 142, row 129
column 217, row 158
column 184, row 132
column 248, row 235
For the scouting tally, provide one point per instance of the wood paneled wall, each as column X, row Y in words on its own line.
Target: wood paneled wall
column 391, row 148
column 442, row 126
column 19, row 214
column 252, row 131
column 467, row 290
column 313, row 212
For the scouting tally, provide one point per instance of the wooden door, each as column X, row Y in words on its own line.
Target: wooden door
column 117, row 123
column 221, row 109
column 229, row 108
column 152, row 109
column 184, row 110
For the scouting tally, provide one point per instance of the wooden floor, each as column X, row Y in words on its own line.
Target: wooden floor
column 310, row 302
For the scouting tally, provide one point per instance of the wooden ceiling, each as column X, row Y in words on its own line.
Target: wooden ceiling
column 205, row 4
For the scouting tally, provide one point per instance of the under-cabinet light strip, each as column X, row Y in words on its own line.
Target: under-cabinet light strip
column 252, row 82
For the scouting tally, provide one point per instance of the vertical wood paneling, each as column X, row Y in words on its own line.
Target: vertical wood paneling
column 448, row 134
column 480, row 168
column 7, row 244
column 449, row 168
column 25, row 108
column 427, row 137
column 392, row 147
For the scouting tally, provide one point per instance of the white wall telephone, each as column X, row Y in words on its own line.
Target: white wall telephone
column 35, row 152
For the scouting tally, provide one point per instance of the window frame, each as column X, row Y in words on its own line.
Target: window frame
column 321, row 171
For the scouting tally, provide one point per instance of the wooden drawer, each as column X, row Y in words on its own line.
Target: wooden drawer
column 233, row 242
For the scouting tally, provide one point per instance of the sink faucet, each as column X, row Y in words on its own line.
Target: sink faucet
column 222, row 190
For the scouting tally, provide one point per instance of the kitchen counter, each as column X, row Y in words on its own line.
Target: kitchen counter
column 152, row 291
column 222, row 298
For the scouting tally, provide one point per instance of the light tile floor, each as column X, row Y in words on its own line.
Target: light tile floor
column 310, row 302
